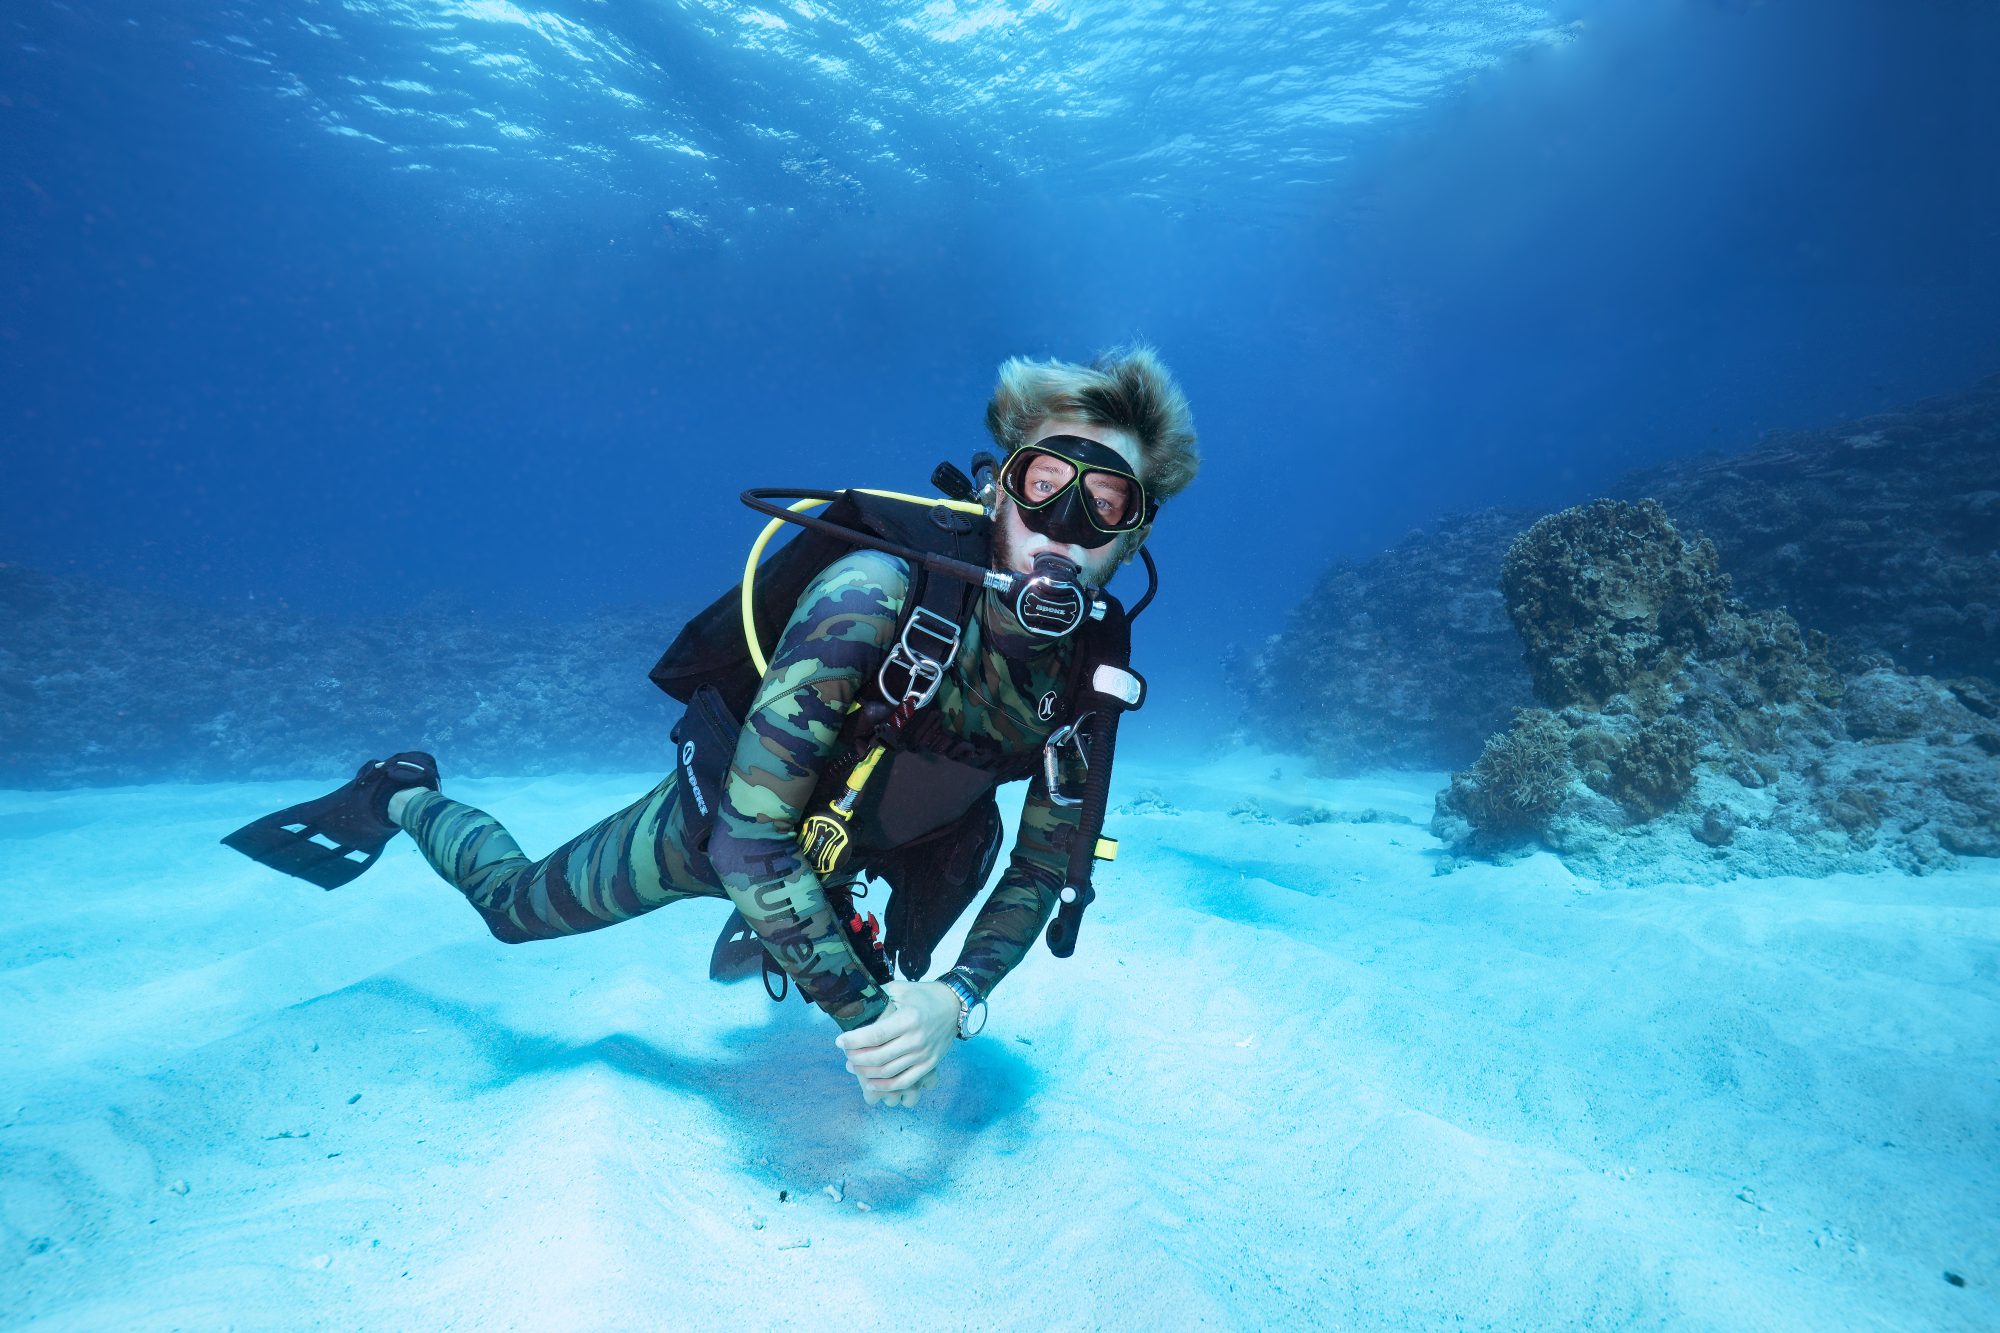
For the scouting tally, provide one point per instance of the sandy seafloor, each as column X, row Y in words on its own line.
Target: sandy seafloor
column 1291, row 1079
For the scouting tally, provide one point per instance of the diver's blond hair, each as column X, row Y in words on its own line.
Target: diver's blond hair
column 1127, row 388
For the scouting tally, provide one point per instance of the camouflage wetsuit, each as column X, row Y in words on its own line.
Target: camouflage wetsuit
column 640, row 858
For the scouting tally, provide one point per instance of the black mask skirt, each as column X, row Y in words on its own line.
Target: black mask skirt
column 1075, row 491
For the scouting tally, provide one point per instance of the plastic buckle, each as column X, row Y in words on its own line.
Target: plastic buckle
column 1067, row 734
column 1126, row 686
column 925, row 670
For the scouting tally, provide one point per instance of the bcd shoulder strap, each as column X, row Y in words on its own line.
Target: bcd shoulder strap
column 1103, row 689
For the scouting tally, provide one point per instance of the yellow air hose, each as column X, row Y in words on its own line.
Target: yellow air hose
column 771, row 529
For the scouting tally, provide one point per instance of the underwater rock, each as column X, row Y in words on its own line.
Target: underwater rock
column 1650, row 767
column 1977, row 695
column 1882, row 535
column 1884, row 704
column 1718, row 825
column 1608, row 599
column 1690, row 737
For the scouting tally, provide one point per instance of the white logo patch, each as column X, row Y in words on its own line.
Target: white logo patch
column 694, row 787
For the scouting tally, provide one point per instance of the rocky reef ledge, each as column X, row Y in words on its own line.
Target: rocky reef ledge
column 1683, row 735
column 1883, row 534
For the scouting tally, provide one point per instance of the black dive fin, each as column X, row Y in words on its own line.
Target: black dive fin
column 331, row 840
column 739, row 954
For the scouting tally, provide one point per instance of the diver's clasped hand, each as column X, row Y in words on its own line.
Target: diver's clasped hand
column 895, row 1058
column 909, row 1098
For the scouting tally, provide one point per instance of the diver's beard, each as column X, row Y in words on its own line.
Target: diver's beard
column 1003, row 629
column 1004, row 547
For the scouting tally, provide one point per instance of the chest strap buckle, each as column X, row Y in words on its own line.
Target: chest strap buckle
column 923, row 653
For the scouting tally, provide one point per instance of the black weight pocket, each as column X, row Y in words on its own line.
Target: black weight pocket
column 704, row 742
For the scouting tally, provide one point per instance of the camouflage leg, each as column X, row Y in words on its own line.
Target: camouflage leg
column 622, row 867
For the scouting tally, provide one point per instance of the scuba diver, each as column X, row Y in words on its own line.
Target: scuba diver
column 922, row 653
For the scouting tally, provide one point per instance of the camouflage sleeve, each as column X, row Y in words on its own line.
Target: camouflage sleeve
column 1020, row 905
column 839, row 633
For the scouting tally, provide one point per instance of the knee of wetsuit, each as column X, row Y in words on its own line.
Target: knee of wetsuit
column 502, row 927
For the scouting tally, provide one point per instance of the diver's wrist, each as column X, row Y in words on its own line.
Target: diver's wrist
column 971, row 1004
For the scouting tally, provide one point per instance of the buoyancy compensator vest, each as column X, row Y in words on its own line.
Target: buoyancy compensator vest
column 932, row 827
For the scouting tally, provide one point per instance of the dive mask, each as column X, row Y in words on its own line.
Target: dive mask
column 1075, row 491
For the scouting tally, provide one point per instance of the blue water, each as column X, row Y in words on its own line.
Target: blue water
column 439, row 308
column 344, row 304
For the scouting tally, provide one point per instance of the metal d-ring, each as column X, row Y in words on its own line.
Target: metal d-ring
column 1069, row 734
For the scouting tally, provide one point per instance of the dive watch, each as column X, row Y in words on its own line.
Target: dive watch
column 971, row 1004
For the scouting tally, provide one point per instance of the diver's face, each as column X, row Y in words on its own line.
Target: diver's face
column 1016, row 545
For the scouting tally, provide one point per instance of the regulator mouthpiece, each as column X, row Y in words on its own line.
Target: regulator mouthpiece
column 1052, row 601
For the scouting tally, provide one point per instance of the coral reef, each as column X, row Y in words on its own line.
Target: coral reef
column 1407, row 659
column 1883, row 534
column 1522, row 775
column 1686, row 736
column 100, row 685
